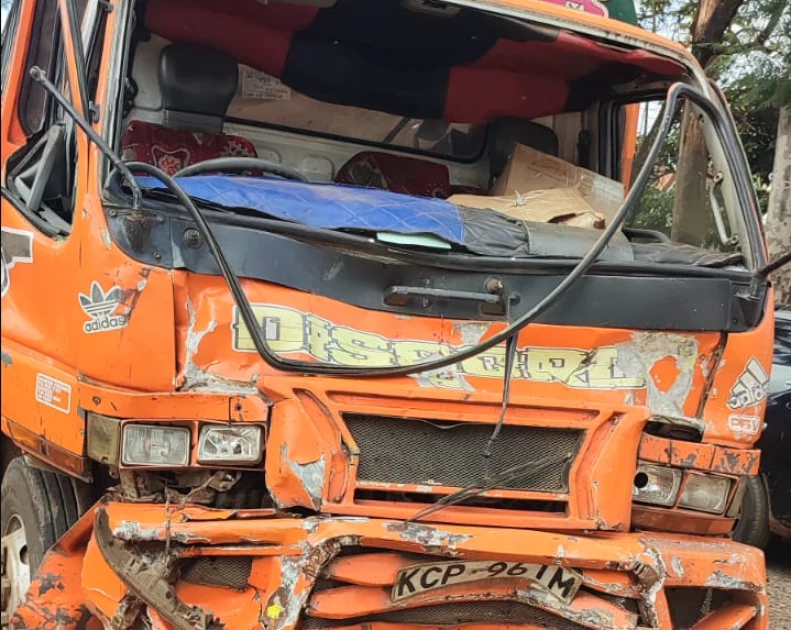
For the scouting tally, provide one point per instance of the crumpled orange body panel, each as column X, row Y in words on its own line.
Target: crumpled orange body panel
column 291, row 558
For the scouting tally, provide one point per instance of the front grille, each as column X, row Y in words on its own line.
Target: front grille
column 431, row 452
column 228, row 571
column 490, row 503
column 500, row 613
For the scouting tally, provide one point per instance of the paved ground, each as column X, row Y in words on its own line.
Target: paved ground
column 778, row 558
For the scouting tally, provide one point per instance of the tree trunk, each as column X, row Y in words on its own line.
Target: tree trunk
column 692, row 220
column 778, row 215
column 712, row 20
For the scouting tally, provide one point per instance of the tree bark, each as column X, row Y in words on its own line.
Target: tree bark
column 692, row 220
column 778, row 215
column 712, row 20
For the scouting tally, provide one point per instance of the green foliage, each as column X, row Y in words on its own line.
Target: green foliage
column 655, row 208
column 758, row 131
column 752, row 63
column 755, row 56
column 655, row 211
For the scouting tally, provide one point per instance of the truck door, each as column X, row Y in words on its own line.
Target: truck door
column 43, row 179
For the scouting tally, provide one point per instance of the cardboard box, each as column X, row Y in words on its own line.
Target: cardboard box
column 530, row 170
column 556, row 205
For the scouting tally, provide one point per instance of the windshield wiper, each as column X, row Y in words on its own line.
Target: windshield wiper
column 40, row 77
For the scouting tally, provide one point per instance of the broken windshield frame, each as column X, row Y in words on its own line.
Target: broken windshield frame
column 676, row 94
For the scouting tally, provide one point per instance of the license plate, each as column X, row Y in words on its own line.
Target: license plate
column 561, row 582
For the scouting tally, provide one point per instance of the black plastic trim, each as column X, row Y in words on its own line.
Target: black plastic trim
column 73, row 26
column 617, row 296
column 46, row 10
column 743, row 180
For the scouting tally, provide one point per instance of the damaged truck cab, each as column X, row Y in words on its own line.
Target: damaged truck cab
column 393, row 315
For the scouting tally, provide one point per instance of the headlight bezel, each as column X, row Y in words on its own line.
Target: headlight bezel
column 724, row 487
column 656, row 471
column 175, row 430
column 206, row 428
column 187, row 434
column 693, row 477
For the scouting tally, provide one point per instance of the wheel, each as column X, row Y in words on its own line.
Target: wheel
column 36, row 508
column 752, row 526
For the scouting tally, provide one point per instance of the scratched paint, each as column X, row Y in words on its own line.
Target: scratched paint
column 311, row 475
column 193, row 377
column 635, row 359
column 427, row 536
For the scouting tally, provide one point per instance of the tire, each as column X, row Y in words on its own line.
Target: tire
column 43, row 502
column 752, row 526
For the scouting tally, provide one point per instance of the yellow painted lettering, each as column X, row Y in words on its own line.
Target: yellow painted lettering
column 317, row 333
column 411, row 352
column 603, row 372
column 488, row 364
column 351, row 347
column 282, row 328
column 553, row 364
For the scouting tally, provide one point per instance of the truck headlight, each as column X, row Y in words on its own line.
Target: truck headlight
column 155, row 445
column 223, row 444
column 656, row 484
column 705, row 493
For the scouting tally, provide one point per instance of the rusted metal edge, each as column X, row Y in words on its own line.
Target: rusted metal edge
column 149, row 583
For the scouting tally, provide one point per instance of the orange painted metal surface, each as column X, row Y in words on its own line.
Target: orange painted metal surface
column 629, row 149
column 705, row 457
column 55, row 600
column 292, row 552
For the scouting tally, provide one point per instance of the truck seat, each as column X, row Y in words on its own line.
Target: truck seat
column 197, row 84
column 396, row 173
column 506, row 133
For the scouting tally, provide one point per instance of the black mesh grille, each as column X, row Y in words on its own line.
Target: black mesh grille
column 428, row 452
column 480, row 612
column 228, row 571
column 689, row 605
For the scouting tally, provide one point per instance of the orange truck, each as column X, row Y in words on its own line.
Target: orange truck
column 340, row 314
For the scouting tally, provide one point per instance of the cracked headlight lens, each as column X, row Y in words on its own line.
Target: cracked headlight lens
column 656, row 484
column 221, row 444
column 705, row 493
column 155, row 445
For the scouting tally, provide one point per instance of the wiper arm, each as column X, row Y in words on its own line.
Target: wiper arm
column 40, row 77
column 781, row 261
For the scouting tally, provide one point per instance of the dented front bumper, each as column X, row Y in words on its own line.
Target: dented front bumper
column 201, row 568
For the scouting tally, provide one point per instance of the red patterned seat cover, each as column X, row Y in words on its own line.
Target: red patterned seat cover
column 412, row 176
column 171, row 149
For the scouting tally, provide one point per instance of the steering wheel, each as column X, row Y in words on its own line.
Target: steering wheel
column 235, row 164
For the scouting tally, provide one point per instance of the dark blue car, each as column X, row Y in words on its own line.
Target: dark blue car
column 767, row 502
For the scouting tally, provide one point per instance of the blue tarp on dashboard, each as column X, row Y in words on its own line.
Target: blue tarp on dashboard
column 329, row 206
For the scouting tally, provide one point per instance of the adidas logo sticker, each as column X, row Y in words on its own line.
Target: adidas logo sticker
column 99, row 306
column 751, row 386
